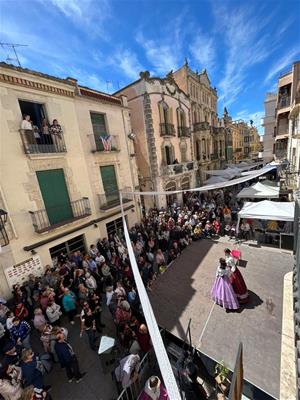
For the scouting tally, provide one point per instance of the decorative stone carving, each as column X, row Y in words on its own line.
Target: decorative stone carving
column 145, row 75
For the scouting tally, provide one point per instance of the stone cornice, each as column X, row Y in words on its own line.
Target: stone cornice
column 18, row 81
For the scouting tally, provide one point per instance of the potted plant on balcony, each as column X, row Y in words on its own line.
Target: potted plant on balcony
column 221, row 377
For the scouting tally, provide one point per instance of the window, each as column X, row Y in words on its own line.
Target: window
column 98, row 123
column 114, row 226
column 180, row 117
column 168, row 153
column 110, row 184
column 75, row 244
column 55, row 195
column 35, row 110
column 99, row 129
column 183, row 151
column 198, row 150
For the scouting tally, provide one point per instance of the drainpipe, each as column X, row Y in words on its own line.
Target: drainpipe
column 9, row 217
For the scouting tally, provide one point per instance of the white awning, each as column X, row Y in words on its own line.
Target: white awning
column 215, row 179
column 259, row 191
column 270, row 210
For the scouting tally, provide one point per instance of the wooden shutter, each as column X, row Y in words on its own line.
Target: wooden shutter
column 109, row 181
column 55, row 195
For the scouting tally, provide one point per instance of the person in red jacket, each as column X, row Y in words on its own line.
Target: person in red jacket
column 143, row 338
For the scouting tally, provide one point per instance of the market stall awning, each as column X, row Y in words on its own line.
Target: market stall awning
column 266, row 209
column 259, row 191
column 215, row 179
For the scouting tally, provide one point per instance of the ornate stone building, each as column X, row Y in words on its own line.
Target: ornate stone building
column 161, row 121
column 208, row 134
column 59, row 191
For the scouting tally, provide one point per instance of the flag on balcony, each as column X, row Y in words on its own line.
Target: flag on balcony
column 106, row 141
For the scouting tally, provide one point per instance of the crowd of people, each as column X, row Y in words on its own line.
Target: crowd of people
column 79, row 285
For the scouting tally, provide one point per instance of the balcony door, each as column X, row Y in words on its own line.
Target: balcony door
column 110, row 184
column 99, row 129
column 55, row 195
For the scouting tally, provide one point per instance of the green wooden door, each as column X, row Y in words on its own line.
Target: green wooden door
column 110, row 183
column 55, row 195
column 99, row 129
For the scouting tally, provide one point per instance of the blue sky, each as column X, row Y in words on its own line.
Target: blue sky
column 244, row 45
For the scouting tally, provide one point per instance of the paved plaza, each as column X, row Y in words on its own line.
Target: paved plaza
column 183, row 292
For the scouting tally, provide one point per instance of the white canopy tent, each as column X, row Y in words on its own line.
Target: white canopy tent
column 270, row 210
column 228, row 173
column 259, row 191
column 215, row 179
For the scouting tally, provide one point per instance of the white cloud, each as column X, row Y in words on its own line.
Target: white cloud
column 246, row 44
column 85, row 13
column 163, row 56
column 283, row 63
column 127, row 62
column 254, row 116
column 203, row 50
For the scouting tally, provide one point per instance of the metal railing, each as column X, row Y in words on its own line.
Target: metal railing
column 145, row 370
column 284, row 101
column 184, row 131
column 112, row 199
column 201, row 126
column 175, row 169
column 46, row 219
column 36, row 143
column 107, row 143
column 296, row 287
column 167, row 129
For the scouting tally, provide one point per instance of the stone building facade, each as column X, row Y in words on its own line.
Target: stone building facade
column 59, row 192
column 208, row 134
column 161, row 122
column 269, row 124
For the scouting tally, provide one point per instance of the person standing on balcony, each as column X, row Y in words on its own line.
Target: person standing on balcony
column 56, row 132
column 27, row 128
column 46, row 135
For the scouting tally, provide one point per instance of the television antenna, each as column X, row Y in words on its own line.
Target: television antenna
column 13, row 47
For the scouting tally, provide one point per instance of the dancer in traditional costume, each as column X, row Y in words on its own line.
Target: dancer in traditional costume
column 236, row 278
column 222, row 291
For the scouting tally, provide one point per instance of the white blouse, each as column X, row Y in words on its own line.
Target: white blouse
column 26, row 125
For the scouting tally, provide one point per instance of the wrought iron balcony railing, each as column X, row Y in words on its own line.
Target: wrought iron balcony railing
column 184, row 131
column 167, row 129
column 112, row 199
column 201, row 126
column 36, row 143
column 47, row 219
column 176, row 169
column 284, row 101
column 105, row 143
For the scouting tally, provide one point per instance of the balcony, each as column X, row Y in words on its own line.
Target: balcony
column 184, row 131
column 112, row 199
column 104, row 144
column 215, row 130
column 45, row 220
column 284, row 101
column 167, row 129
column 176, row 169
column 42, row 144
column 201, row 126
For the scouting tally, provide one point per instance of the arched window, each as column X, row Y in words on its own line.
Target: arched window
column 195, row 117
column 170, row 187
column 168, row 155
column 163, row 112
column 198, row 150
column 203, row 149
column 183, row 150
column 185, row 183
